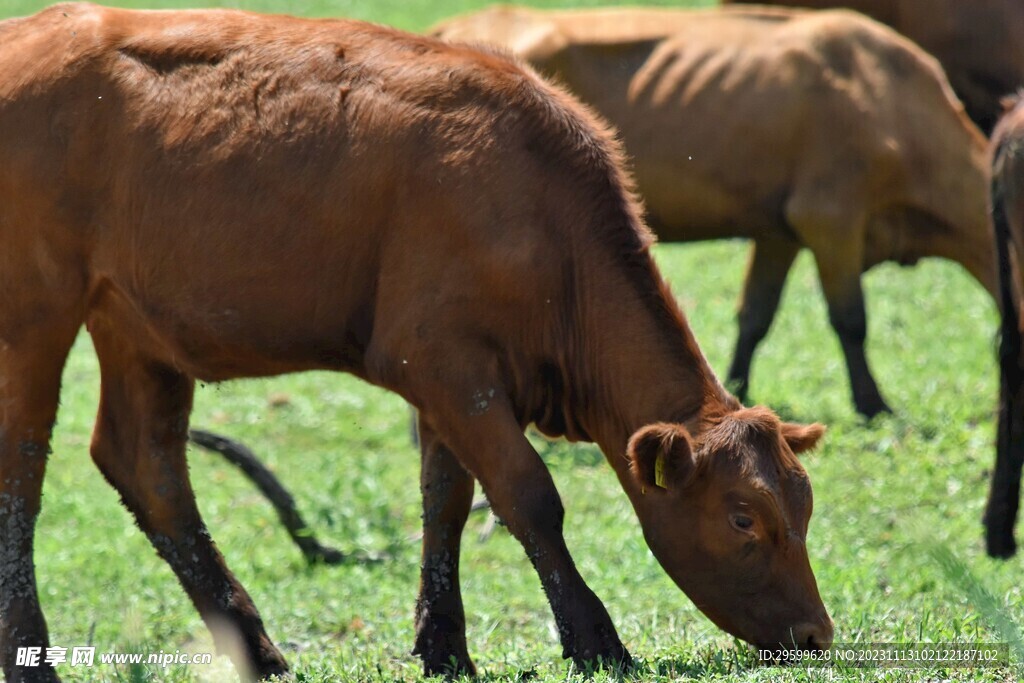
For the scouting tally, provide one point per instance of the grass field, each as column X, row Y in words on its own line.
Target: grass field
column 890, row 495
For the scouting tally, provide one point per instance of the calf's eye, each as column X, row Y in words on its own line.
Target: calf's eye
column 741, row 522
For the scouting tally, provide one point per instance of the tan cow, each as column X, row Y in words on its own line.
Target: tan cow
column 979, row 42
column 796, row 129
column 218, row 194
column 1008, row 219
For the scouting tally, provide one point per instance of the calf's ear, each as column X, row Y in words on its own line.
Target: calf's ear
column 802, row 438
column 661, row 456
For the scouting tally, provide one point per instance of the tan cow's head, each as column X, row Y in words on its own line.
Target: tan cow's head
column 726, row 515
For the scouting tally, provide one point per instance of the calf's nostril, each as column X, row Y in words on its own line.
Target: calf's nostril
column 813, row 636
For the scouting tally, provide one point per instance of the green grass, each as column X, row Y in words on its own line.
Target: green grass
column 885, row 492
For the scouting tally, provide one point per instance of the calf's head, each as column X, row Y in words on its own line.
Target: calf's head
column 726, row 514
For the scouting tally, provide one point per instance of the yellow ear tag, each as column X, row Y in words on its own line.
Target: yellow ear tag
column 659, row 471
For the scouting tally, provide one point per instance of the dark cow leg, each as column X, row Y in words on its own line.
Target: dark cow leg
column 139, row 445
column 1004, row 492
column 471, row 413
column 770, row 261
column 440, row 619
column 30, row 369
column 824, row 222
column 849, row 320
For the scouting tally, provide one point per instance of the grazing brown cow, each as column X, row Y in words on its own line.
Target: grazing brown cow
column 1008, row 218
column 797, row 129
column 979, row 42
column 219, row 194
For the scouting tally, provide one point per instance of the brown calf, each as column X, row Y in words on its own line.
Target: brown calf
column 979, row 42
column 796, row 129
column 1008, row 218
column 218, row 194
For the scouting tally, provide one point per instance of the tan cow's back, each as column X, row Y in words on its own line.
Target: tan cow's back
column 797, row 129
column 728, row 113
column 535, row 34
column 979, row 42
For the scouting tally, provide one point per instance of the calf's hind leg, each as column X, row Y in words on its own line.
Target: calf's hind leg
column 440, row 619
column 30, row 370
column 139, row 445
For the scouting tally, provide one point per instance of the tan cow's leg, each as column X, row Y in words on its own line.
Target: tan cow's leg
column 139, row 445
column 849, row 320
column 770, row 261
column 440, row 620
column 471, row 413
column 31, row 360
column 833, row 228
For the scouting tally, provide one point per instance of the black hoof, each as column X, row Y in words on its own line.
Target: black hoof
column 441, row 646
column 451, row 667
column 1000, row 544
column 281, row 674
column 270, row 664
column 616, row 658
column 873, row 408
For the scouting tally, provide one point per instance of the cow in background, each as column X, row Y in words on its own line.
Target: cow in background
column 979, row 42
column 823, row 130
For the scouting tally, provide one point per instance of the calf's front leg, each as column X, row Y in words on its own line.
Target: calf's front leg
column 473, row 416
column 440, row 618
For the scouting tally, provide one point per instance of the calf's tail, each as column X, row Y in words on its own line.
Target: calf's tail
column 1004, row 494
